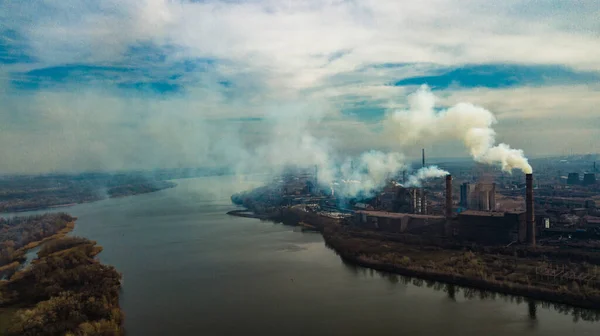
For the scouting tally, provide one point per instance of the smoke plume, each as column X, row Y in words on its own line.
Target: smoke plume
column 424, row 173
column 369, row 172
column 464, row 121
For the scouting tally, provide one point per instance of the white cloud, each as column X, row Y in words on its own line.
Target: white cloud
column 313, row 55
column 294, row 39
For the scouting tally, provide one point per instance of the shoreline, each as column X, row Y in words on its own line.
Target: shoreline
column 531, row 292
column 60, row 234
column 247, row 214
column 342, row 246
column 66, row 205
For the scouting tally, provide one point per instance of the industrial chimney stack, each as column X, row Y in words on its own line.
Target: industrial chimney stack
column 448, row 196
column 530, row 217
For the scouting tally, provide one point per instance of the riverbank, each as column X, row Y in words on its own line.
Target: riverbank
column 531, row 273
column 496, row 273
column 20, row 253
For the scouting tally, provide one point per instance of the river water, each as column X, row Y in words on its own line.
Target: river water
column 190, row 269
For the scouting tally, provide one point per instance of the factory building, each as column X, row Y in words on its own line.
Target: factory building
column 480, row 197
column 393, row 222
column 486, row 226
column 389, row 198
column 395, row 198
column 492, row 228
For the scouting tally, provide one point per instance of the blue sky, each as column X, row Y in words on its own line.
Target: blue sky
column 158, row 83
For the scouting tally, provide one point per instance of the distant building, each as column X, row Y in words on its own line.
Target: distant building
column 573, row 179
column 362, row 206
column 566, row 202
column 465, row 192
column 592, row 221
column 546, row 222
column 589, row 179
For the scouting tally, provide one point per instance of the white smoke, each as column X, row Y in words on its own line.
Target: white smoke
column 369, row 172
column 464, row 121
column 424, row 173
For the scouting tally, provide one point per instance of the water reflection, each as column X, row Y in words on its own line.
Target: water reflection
column 532, row 313
column 452, row 291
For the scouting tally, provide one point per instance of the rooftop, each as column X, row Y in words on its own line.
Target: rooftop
column 396, row 214
column 592, row 220
column 489, row 213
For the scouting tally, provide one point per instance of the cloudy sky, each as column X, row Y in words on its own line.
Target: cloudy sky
column 130, row 84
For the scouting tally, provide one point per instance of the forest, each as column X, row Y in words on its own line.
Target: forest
column 66, row 291
column 17, row 234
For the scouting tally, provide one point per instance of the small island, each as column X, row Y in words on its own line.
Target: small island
column 65, row 290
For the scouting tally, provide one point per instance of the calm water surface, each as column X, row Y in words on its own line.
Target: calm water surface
column 189, row 269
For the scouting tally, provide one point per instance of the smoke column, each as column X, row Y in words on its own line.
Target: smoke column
column 293, row 144
column 464, row 121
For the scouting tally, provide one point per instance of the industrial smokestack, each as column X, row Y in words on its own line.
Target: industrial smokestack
column 423, row 157
column 448, row 196
column 530, row 217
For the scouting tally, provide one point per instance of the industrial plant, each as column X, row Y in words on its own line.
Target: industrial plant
column 489, row 209
column 524, row 234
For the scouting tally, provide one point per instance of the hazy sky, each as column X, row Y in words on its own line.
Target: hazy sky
column 121, row 84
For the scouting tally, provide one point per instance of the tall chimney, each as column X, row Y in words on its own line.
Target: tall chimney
column 493, row 198
column 529, row 217
column 423, row 157
column 448, row 196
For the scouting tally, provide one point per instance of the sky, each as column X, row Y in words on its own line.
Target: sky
column 141, row 84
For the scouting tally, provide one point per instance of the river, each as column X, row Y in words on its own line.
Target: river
column 190, row 269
